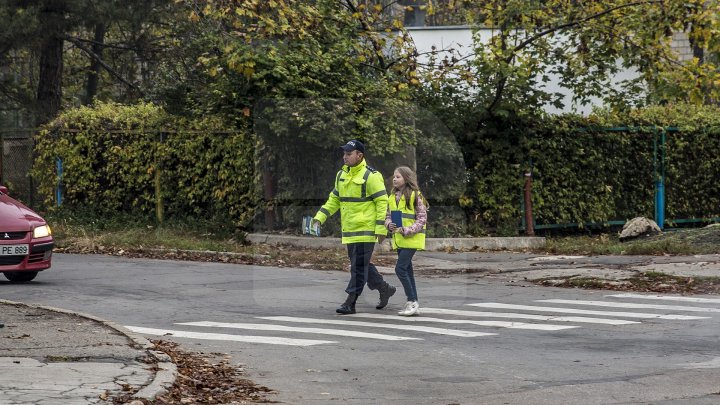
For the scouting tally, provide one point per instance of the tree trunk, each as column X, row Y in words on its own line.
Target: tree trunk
column 699, row 53
column 91, row 84
column 50, row 80
column 49, row 90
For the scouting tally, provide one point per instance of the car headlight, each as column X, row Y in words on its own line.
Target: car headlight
column 42, row 231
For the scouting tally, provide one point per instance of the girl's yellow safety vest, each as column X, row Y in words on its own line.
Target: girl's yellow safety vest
column 416, row 241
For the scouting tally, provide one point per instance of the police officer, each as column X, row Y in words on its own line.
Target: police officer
column 360, row 195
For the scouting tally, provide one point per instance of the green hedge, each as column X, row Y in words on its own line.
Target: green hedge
column 591, row 177
column 589, row 170
column 122, row 158
column 116, row 158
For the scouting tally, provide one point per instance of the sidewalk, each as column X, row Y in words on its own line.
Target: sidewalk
column 527, row 267
column 499, row 258
column 50, row 356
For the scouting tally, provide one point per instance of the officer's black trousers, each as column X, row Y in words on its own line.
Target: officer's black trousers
column 361, row 270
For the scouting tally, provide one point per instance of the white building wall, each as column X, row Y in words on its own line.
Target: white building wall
column 681, row 45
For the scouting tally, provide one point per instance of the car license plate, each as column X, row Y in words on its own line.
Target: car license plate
column 14, row 250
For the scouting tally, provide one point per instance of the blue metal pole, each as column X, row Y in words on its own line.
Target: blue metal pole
column 659, row 174
column 58, row 188
column 659, row 204
column 661, row 224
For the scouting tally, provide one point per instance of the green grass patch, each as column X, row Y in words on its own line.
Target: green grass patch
column 181, row 239
column 88, row 231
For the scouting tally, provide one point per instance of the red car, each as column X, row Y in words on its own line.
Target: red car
column 26, row 242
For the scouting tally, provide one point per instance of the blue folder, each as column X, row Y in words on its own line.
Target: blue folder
column 396, row 217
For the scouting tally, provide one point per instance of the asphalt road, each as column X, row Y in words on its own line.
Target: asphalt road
column 585, row 347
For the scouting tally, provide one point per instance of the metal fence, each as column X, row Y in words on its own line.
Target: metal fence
column 16, row 158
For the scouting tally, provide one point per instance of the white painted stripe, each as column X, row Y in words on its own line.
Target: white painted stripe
column 496, row 324
column 587, row 312
column 281, row 328
column 426, row 329
column 233, row 338
column 668, row 298
column 513, row 315
column 631, row 305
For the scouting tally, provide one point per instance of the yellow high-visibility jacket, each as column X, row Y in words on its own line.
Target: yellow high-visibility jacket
column 361, row 197
column 416, row 241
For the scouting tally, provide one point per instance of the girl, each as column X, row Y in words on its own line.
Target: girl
column 409, row 203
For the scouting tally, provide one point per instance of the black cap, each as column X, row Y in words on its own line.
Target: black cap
column 353, row 145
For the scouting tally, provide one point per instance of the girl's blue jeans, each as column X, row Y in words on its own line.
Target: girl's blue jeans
column 404, row 271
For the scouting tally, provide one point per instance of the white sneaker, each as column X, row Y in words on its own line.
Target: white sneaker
column 411, row 308
column 404, row 311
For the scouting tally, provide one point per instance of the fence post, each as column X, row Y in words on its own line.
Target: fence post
column 529, row 225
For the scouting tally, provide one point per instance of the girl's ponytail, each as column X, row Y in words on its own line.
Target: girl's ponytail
column 425, row 201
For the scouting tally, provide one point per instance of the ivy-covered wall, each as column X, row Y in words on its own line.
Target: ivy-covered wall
column 119, row 158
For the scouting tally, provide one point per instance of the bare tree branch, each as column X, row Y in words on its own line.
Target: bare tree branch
column 550, row 30
column 105, row 45
column 389, row 5
column 376, row 46
column 500, row 87
column 102, row 63
column 13, row 94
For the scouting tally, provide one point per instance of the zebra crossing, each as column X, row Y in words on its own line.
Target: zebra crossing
column 473, row 320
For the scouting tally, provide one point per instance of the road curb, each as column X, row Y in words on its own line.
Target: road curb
column 167, row 370
column 431, row 244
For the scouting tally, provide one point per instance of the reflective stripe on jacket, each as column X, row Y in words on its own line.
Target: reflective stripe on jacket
column 416, row 241
column 361, row 197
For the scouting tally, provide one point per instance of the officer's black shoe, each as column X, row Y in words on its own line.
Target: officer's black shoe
column 386, row 291
column 348, row 307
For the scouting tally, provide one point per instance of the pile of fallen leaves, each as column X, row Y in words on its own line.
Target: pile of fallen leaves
column 201, row 382
column 263, row 255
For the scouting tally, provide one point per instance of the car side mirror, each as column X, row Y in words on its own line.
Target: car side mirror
column 3, row 190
